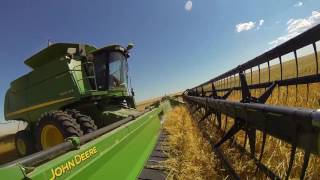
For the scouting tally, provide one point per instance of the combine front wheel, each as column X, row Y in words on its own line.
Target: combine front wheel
column 54, row 127
column 24, row 143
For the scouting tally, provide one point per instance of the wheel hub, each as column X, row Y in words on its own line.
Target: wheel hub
column 21, row 147
column 50, row 136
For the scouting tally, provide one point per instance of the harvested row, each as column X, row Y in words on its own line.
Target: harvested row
column 189, row 155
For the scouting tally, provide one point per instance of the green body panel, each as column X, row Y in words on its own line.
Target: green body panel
column 50, row 85
column 42, row 87
column 12, row 173
column 120, row 154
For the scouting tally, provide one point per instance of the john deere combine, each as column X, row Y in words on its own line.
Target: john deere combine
column 81, row 117
column 71, row 90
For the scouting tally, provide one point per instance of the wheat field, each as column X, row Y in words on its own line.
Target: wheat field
column 189, row 155
column 277, row 153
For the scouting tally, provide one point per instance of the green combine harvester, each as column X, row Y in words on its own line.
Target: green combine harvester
column 82, row 121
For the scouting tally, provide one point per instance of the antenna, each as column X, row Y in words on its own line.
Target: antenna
column 131, row 89
column 130, row 83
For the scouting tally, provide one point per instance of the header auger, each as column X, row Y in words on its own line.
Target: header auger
column 299, row 127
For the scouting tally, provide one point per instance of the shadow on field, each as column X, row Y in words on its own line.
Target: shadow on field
column 7, row 149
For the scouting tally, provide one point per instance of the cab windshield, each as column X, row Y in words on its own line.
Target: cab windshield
column 110, row 70
column 118, row 69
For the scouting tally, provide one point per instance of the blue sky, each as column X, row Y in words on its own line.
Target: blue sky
column 179, row 43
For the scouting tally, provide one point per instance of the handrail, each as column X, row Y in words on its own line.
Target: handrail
column 310, row 36
column 86, row 76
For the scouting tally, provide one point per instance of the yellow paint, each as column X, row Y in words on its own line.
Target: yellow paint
column 37, row 106
column 74, row 162
column 21, row 147
column 50, row 136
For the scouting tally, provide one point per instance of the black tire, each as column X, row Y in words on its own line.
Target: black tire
column 27, row 141
column 61, row 120
column 87, row 125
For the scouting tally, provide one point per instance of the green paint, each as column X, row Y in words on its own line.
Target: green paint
column 12, row 173
column 75, row 141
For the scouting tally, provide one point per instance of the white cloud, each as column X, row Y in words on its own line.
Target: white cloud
column 298, row 4
column 297, row 26
column 261, row 22
column 245, row 26
column 290, row 21
column 282, row 39
column 188, row 6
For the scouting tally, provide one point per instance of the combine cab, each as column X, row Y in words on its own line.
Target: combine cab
column 72, row 90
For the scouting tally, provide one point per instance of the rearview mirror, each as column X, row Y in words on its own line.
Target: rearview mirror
column 130, row 46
